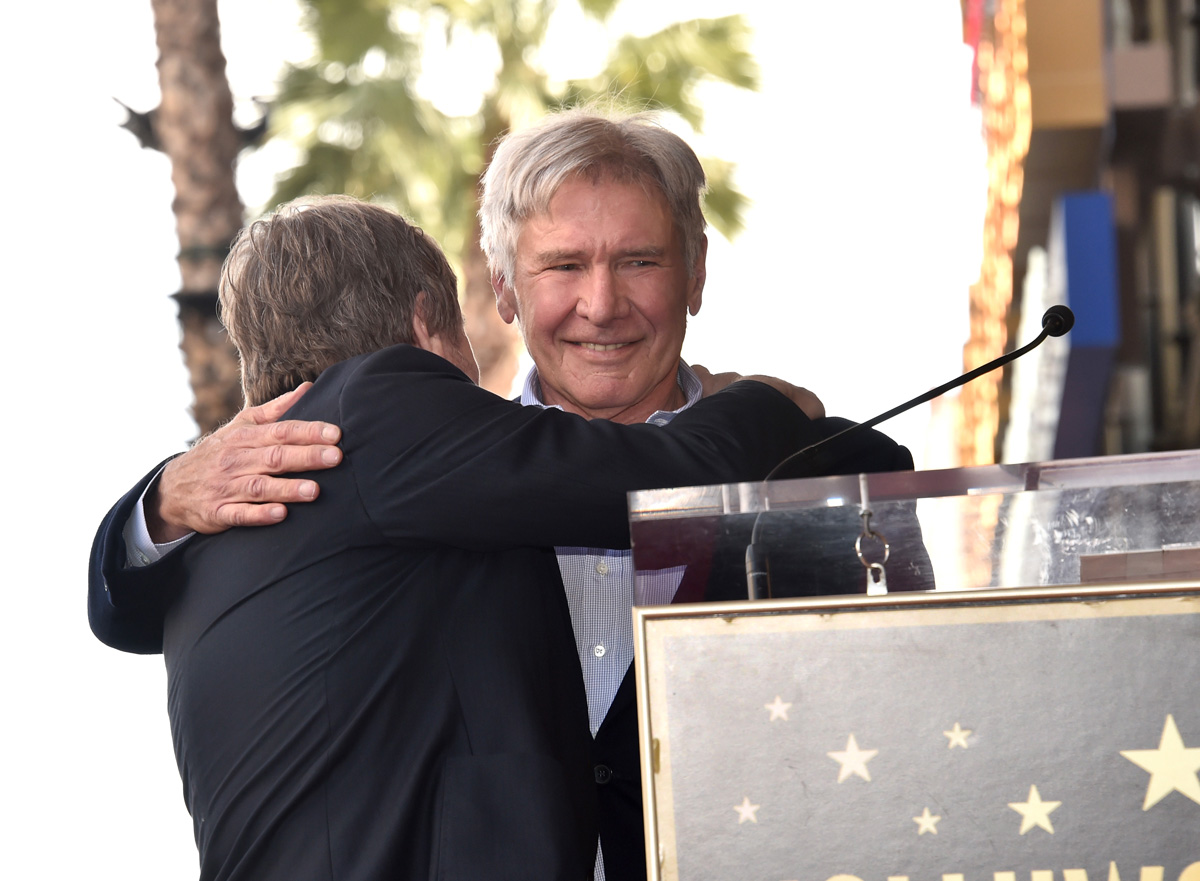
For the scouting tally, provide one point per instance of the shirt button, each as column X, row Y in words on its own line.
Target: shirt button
column 603, row 774
column 599, row 651
column 601, row 568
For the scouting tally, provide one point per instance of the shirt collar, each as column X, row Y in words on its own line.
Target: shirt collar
column 689, row 384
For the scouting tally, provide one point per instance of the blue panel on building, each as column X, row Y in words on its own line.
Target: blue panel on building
column 1091, row 261
column 1085, row 238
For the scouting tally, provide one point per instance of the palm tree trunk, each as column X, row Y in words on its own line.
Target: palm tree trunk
column 194, row 127
column 496, row 344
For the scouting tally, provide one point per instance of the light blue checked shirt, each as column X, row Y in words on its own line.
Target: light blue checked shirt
column 602, row 587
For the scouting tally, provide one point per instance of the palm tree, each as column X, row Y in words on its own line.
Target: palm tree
column 193, row 125
column 355, row 114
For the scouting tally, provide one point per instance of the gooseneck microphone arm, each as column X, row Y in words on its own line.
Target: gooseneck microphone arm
column 1056, row 321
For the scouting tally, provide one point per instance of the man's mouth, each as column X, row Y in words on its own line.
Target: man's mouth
column 599, row 347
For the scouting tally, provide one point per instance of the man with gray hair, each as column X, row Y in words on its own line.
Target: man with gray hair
column 593, row 231
column 595, row 240
column 594, row 235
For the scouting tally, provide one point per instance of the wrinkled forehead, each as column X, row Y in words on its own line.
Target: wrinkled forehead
column 616, row 172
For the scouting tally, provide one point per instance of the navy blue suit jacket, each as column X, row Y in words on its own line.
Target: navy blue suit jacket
column 385, row 685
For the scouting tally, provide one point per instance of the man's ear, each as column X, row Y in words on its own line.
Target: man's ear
column 421, row 335
column 506, row 300
column 696, row 282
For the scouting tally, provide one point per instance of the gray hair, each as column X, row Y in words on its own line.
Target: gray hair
column 325, row 279
column 530, row 165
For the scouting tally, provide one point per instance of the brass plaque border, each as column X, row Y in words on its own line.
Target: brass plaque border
column 652, row 624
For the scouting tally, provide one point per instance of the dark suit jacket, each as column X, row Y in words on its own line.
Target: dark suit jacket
column 386, row 685
column 722, row 577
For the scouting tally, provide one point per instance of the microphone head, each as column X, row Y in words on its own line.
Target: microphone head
column 1057, row 320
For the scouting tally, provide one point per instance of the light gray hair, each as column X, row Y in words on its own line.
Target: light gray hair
column 530, row 165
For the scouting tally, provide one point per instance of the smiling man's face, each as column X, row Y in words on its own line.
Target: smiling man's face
column 602, row 296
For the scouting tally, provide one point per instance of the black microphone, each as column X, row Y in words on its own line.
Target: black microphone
column 1056, row 321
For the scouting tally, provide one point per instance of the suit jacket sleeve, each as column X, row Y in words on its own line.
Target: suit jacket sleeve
column 125, row 606
column 867, row 451
column 450, row 463
column 440, row 460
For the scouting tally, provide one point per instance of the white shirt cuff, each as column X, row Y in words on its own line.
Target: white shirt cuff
column 140, row 549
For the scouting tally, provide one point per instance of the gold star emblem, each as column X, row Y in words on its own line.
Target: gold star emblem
column 927, row 822
column 853, row 760
column 746, row 811
column 1035, row 812
column 778, row 708
column 1172, row 766
column 958, row 736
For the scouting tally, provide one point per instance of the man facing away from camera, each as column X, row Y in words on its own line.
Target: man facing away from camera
column 593, row 231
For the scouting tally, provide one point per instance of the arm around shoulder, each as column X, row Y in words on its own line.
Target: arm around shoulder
column 445, row 453
column 756, row 423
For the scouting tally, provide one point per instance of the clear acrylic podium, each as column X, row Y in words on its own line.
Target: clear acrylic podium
column 1022, row 703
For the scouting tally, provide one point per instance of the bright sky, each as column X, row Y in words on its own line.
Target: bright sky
column 860, row 156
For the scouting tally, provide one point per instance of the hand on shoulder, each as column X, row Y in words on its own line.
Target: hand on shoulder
column 801, row 397
column 229, row 478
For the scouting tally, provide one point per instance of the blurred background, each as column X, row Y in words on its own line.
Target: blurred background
column 899, row 192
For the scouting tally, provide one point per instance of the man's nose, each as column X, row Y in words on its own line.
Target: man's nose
column 601, row 300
